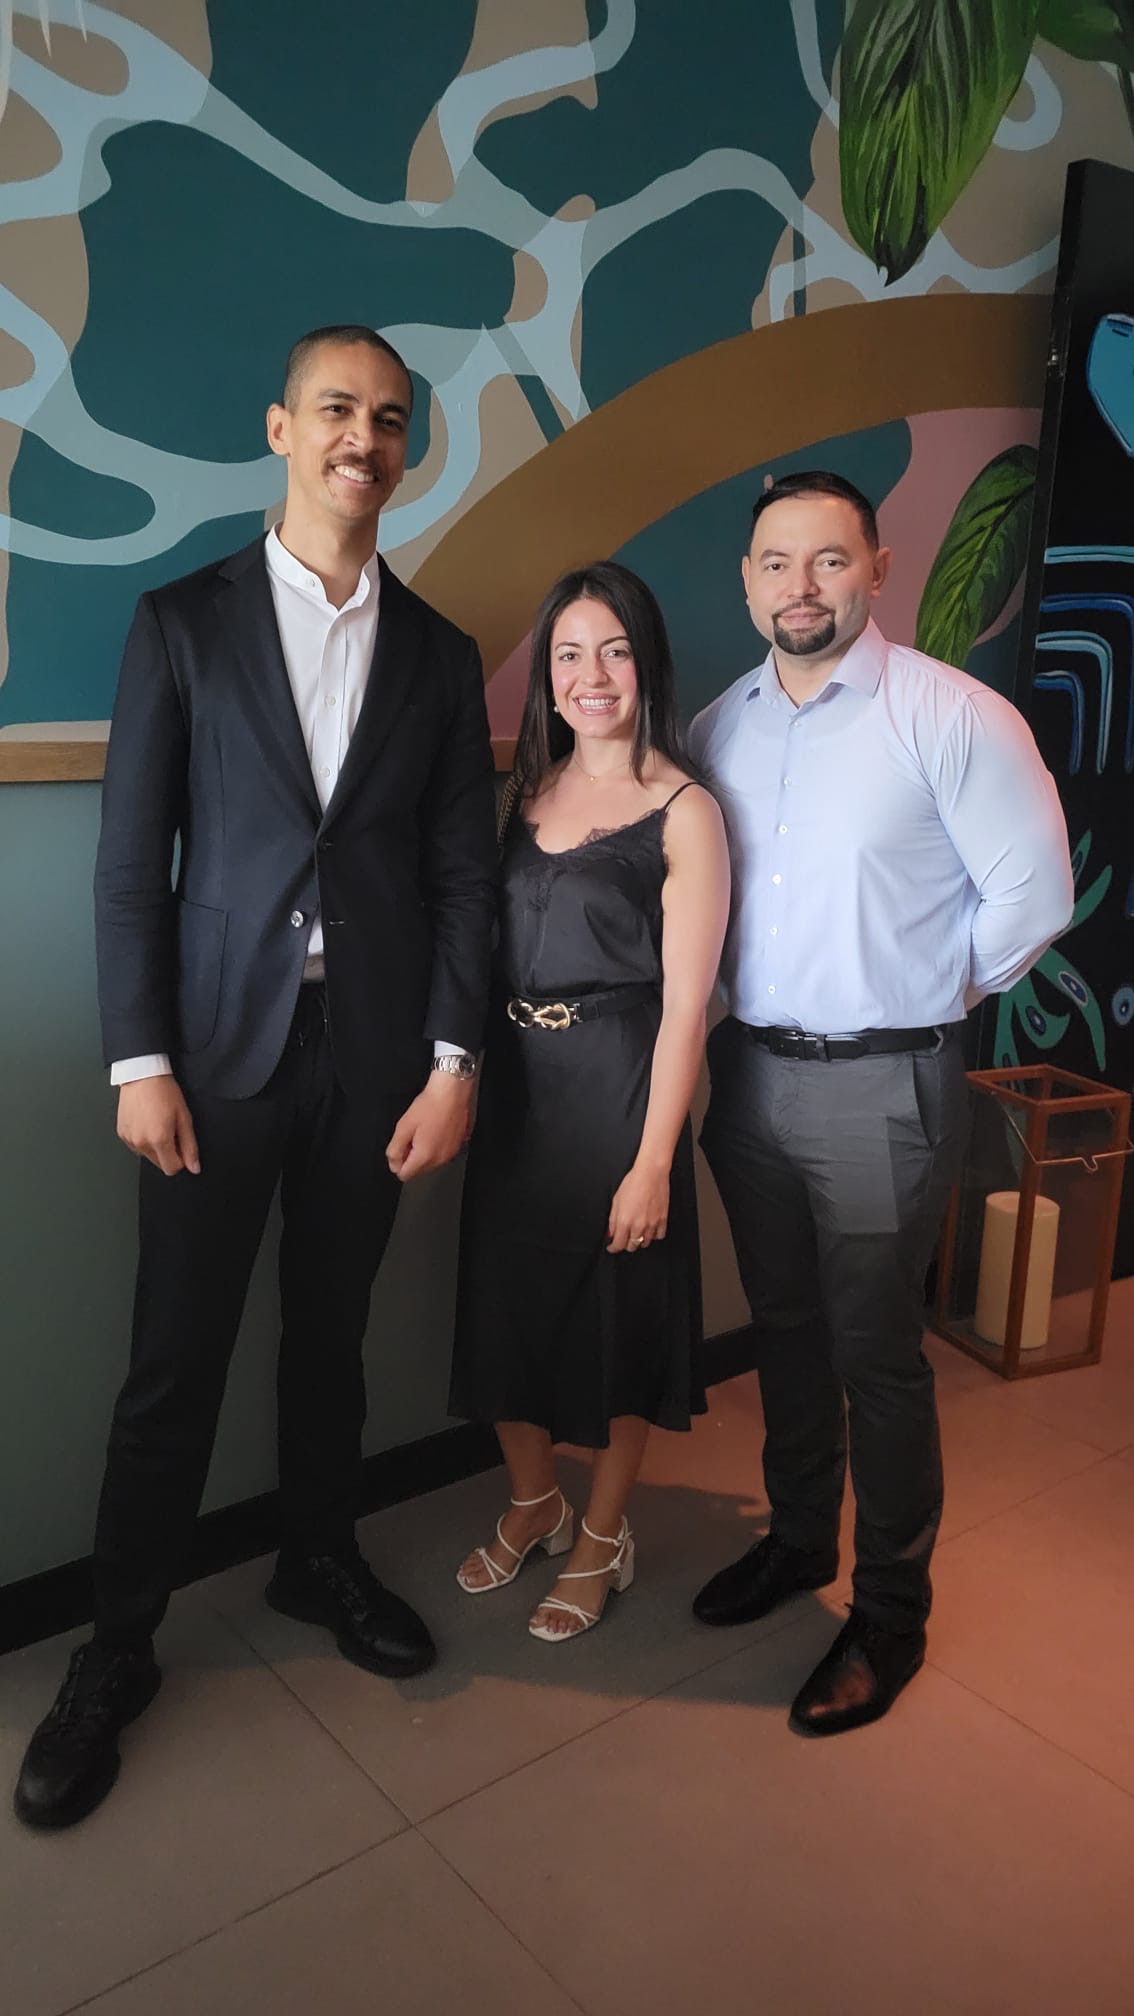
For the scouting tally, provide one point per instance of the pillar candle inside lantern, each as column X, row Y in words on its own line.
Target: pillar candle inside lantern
column 1001, row 1216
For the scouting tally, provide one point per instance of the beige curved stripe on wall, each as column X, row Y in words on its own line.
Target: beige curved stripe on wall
column 711, row 416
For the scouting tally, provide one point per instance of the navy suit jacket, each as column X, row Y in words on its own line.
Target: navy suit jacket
column 207, row 767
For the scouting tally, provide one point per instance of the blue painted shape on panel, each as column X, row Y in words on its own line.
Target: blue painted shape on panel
column 1071, row 684
column 1071, row 984
column 1120, row 605
column 1084, row 556
column 1122, row 1006
column 1088, row 645
column 1110, row 376
column 691, row 557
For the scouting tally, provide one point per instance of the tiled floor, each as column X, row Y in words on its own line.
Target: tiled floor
column 625, row 1826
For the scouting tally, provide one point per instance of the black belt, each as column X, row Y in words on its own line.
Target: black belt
column 545, row 1014
column 802, row 1045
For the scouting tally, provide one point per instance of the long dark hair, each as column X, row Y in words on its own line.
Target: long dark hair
column 544, row 738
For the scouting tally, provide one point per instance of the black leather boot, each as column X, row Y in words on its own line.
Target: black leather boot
column 373, row 1628
column 72, row 1760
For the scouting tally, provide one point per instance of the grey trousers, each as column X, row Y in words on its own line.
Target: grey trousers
column 835, row 1179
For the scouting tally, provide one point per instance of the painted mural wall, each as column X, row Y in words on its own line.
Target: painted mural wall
column 640, row 258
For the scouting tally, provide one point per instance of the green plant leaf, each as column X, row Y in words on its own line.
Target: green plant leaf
column 923, row 87
column 980, row 558
column 1100, row 31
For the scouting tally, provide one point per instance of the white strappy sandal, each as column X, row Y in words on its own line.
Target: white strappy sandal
column 621, row 1571
column 559, row 1541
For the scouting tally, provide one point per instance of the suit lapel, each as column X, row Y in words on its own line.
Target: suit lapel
column 248, row 616
column 392, row 669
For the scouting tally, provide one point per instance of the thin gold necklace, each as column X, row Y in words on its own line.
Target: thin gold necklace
column 596, row 778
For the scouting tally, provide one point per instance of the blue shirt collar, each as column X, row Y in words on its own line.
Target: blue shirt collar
column 860, row 667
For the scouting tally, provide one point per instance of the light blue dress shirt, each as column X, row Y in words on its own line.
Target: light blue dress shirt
column 898, row 847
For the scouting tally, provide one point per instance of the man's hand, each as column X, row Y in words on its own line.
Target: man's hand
column 434, row 1128
column 153, row 1120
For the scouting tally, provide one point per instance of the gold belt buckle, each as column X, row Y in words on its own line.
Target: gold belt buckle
column 550, row 1015
column 555, row 1015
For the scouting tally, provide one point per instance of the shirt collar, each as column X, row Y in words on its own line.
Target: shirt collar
column 860, row 667
column 286, row 567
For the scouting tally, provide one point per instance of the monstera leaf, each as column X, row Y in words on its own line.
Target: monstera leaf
column 980, row 559
column 924, row 85
column 1100, row 31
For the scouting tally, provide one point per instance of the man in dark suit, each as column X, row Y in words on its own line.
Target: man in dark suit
column 310, row 741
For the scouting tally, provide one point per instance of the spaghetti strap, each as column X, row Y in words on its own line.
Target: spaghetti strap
column 677, row 793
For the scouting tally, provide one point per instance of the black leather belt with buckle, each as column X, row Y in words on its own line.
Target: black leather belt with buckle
column 803, row 1045
column 585, row 1008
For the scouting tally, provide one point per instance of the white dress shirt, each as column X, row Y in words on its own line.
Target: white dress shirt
column 898, row 847
column 328, row 654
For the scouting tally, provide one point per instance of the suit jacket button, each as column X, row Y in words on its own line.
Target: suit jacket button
column 297, row 918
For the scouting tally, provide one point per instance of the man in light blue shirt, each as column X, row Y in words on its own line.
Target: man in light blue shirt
column 899, row 852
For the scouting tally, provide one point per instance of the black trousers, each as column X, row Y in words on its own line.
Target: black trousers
column 198, row 1240
column 835, row 1179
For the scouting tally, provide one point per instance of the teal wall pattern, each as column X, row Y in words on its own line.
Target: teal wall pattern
column 546, row 209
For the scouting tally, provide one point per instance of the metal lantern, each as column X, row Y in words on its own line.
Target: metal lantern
column 1028, row 1246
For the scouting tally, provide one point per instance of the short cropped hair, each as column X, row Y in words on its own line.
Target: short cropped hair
column 301, row 353
column 817, row 483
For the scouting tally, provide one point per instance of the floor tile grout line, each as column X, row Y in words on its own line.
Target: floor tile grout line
column 607, row 1722
column 242, row 1917
column 474, row 1893
column 1020, row 1401
column 1009, row 1715
column 507, row 1929
column 1017, row 1504
column 313, row 1716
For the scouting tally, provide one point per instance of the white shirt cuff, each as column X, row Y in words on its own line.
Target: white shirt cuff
column 131, row 1069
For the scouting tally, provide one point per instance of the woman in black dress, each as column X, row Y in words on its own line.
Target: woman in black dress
column 579, row 1304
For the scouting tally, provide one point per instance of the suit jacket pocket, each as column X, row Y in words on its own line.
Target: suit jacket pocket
column 200, row 957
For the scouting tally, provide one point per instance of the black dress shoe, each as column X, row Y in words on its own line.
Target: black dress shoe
column 765, row 1576
column 373, row 1627
column 860, row 1678
column 72, row 1760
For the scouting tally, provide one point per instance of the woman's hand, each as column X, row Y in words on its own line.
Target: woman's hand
column 640, row 1209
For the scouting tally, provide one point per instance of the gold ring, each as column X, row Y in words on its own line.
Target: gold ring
column 637, row 1242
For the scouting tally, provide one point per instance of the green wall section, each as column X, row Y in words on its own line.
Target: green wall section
column 67, row 1203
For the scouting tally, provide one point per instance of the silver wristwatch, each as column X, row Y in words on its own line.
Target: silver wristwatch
column 458, row 1064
